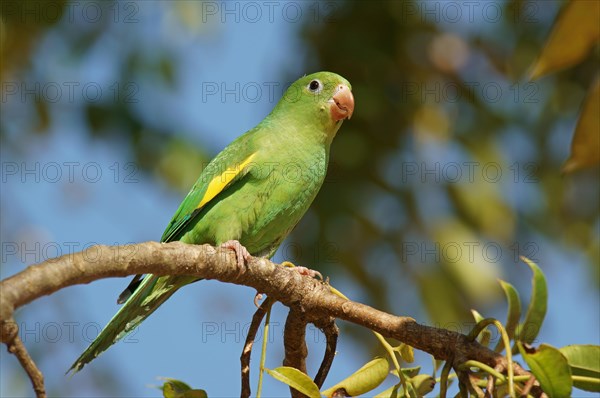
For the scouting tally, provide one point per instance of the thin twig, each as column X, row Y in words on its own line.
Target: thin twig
column 331, row 331
column 444, row 378
column 473, row 385
column 263, row 353
column 14, row 345
column 528, row 386
column 491, row 383
column 506, row 341
column 247, row 351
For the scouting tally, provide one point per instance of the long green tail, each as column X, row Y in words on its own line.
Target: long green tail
column 152, row 292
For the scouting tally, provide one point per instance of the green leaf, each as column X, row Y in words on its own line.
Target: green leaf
column 295, row 379
column 585, row 362
column 423, row 384
column 585, row 147
column 419, row 386
column 194, row 394
column 393, row 392
column 514, row 312
column 410, row 372
column 407, row 353
column 407, row 372
column 536, row 312
column 573, row 36
column 477, row 316
column 486, row 335
column 550, row 368
column 173, row 388
column 365, row 379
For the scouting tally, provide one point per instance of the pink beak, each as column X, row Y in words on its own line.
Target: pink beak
column 343, row 103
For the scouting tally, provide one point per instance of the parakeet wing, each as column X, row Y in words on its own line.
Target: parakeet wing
column 143, row 295
column 221, row 173
column 227, row 168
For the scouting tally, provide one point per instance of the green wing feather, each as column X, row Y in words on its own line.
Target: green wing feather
column 230, row 162
column 224, row 171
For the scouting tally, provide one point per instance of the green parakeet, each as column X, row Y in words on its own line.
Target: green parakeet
column 250, row 196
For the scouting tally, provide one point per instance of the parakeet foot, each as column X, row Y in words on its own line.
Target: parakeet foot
column 303, row 270
column 241, row 253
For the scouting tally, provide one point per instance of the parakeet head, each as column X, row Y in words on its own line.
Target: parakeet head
column 322, row 99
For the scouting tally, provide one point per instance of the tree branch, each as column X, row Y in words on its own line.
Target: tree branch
column 294, row 342
column 14, row 345
column 280, row 283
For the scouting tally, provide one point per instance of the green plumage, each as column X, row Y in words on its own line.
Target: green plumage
column 284, row 161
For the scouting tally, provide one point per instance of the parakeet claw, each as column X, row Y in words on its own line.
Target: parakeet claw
column 303, row 270
column 257, row 298
column 241, row 253
column 309, row 272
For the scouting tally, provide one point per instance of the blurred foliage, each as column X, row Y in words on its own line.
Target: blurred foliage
column 376, row 211
column 575, row 34
column 173, row 388
column 19, row 28
column 585, row 148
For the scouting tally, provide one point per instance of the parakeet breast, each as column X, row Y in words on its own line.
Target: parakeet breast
column 289, row 190
column 269, row 201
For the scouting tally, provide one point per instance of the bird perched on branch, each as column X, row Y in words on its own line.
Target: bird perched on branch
column 250, row 196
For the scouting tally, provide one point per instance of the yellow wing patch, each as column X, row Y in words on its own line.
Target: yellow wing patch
column 217, row 184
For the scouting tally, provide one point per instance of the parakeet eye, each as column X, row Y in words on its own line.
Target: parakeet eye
column 315, row 86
